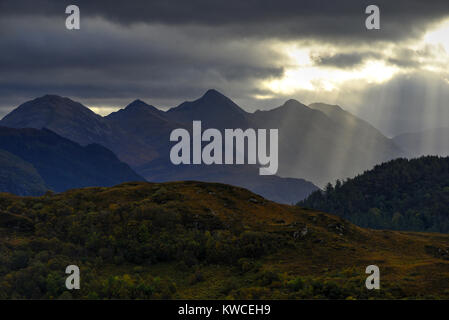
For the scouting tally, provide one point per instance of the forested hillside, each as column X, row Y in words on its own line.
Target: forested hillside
column 400, row 194
column 206, row 241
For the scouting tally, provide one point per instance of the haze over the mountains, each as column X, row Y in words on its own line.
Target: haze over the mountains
column 427, row 142
column 318, row 143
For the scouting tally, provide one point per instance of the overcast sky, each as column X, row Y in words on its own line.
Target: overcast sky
column 259, row 53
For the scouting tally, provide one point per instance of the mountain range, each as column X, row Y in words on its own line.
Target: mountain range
column 317, row 143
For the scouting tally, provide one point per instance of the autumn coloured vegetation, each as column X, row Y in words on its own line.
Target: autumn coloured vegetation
column 198, row 240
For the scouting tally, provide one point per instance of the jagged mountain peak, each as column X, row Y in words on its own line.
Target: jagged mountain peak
column 138, row 104
column 62, row 115
column 292, row 103
column 213, row 108
column 57, row 102
column 212, row 100
column 213, row 94
column 137, row 110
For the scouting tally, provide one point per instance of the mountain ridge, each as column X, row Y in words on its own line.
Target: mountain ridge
column 64, row 164
column 214, row 109
column 313, row 146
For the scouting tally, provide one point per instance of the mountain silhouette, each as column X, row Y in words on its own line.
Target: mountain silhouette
column 146, row 124
column 64, row 164
column 76, row 122
column 317, row 143
column 214, row 110
column 19, row 177
column 71, row 119
column 322, row 143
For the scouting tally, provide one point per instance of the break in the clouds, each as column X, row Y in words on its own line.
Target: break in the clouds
column 257, row 52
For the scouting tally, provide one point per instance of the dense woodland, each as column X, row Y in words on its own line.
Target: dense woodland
column 400, row 194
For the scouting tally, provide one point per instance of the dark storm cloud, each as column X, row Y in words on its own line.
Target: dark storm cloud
column 408, row 58
column 401, row 57
column 344, row 60
column 105, row 60
column 167, row 51
column 315, row 19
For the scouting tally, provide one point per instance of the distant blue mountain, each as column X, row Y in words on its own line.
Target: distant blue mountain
column 19, row 177
column 63, row 164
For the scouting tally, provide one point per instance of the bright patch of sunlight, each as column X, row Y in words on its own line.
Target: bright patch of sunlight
column 301, row 74
column 439, row 36
column 103, row 110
